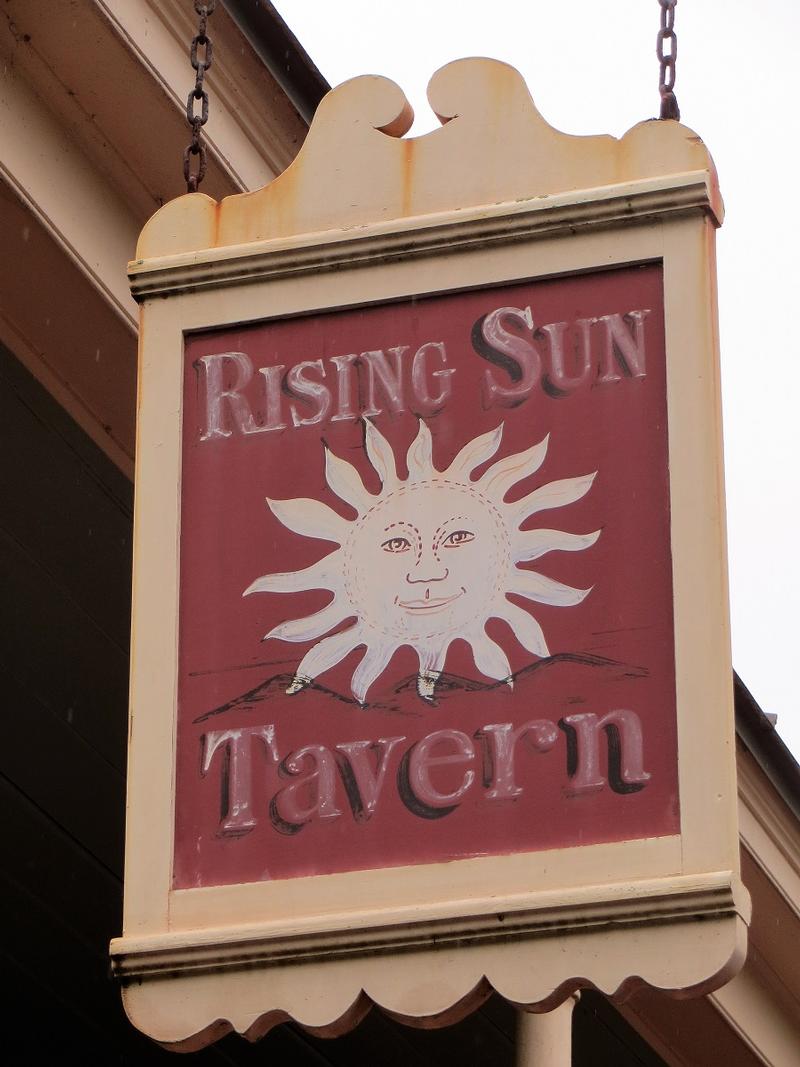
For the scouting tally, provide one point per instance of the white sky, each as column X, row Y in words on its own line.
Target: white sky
column 591, row 68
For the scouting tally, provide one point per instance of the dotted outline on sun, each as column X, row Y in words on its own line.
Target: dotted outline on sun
column 504, row 545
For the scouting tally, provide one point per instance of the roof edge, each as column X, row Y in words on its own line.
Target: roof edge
column 757, row 732
column 280, row 52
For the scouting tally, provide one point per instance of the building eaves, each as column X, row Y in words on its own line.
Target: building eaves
column 281, row 52
column 757, row 732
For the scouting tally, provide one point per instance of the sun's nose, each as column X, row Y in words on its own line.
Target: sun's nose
column 426, row 571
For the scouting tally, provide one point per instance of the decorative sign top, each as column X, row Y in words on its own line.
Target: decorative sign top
column 355, row 169
column 430, row 654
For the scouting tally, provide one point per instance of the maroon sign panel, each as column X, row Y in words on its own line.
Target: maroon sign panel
column 426, row 601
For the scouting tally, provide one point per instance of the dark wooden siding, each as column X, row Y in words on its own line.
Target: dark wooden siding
column 65, row 544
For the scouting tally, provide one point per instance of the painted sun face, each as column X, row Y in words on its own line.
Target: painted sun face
column 427, row 560
column 420, row 563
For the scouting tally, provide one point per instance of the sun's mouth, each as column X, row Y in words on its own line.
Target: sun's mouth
column 430, row 603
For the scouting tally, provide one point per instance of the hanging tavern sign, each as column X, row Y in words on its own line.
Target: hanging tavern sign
column 431, row 687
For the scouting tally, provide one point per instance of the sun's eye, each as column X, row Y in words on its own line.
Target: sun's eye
column 458, row 538
column 396, row 544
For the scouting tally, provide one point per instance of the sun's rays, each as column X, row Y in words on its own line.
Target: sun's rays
column 420, row 456
column 474, row 453
column 428, row 559
column 531, row 544
column 345, row 481
column 380, row 455
column 546, row 590
column 312, row 626
column 321, row 575
column 553, row 495
column 525, row 628
column 489, row 657
column 503, row 475
column 326, row 654
column 310, row 518
column 374, row 663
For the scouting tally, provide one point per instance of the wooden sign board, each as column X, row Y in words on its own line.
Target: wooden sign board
column 431, row 687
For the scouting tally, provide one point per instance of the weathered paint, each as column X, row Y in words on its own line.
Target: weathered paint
column 354, row 152
column 497, row 202
column 612, row 651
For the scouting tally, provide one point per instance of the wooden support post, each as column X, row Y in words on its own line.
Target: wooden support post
column 546, row 1040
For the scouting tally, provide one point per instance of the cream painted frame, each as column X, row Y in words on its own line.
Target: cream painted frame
column 427, row 942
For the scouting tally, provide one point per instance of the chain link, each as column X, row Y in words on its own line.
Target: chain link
column 666, row 60
column 201, row 55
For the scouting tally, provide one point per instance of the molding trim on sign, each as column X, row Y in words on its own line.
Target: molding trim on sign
column 425, row 235
column 663, row 901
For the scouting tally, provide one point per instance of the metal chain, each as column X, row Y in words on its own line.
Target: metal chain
column 200, row 64
column 666, row 60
